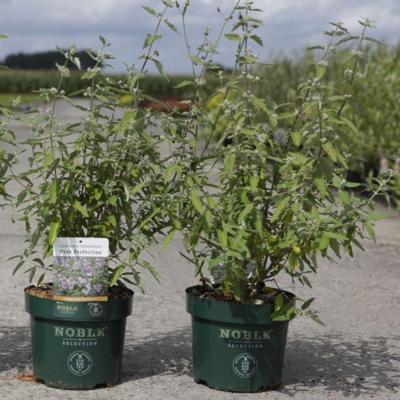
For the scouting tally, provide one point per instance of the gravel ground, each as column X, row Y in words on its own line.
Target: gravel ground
column 355, row 356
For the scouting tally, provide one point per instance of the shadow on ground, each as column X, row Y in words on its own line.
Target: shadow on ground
column 15, row 349
column 352, row 367
column 333, row 363
column 169, row 353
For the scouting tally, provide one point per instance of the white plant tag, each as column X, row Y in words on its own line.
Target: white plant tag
column 80, row 266
column 81, row 247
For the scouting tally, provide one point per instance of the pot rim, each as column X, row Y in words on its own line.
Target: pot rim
column 231, row 312
column 55, row 309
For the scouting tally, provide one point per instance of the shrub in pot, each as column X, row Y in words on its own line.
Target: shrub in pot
column 92, row 178
column 264, row 207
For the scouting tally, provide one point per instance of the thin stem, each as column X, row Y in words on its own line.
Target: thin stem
column 354, row 69
column 147, row 55
column 52, row 116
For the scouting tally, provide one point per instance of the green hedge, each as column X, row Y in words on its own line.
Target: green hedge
column 27, row 81
column 374, row 108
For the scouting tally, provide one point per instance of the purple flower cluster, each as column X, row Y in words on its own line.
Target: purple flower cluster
column 80, row 276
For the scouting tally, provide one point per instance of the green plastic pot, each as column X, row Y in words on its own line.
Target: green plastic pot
column 77, row 344
column 236, row 347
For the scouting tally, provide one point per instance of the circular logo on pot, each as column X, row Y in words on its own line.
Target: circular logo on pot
column 244, row 365
column 80, row 363
column 95, row 309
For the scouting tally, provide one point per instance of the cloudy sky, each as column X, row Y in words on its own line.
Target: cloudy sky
column 289, row 25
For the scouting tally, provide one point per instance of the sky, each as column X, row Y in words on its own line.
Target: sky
column 288, row 26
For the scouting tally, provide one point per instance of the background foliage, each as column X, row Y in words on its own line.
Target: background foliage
column 48, row 60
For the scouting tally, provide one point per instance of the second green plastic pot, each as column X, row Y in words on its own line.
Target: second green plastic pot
column 236, row 347
column 78, row 344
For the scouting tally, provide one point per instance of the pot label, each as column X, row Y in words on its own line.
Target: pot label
column 244, row 339
column 79, row 337
column 244, row 365
column 80, row 363
column 65, row 308
column 81, row 247
column 82, row 310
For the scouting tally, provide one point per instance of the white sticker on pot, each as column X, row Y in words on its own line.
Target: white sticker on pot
column 81, row 247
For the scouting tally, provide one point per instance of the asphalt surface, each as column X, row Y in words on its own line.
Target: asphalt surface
column 355, row 356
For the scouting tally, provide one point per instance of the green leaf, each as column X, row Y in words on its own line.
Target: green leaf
column 113, row 200
column 150, row 10
column 82, row 209
column 307, row 303
column 184, row 84
column 376, row 41
column 89, row 75
column 375, row 216
column 138, row 187
column 2, row 36
column 320, row 69
column 32, row 274
column 345, row 121
column 97, row 194
column 170, row 25
column 233, row 36
column 352, row 185
column 330, row 150
column 116, row 274
column 282, row 204
column 168, row 239
column 40, row 280
column 245, row 212
column 254, row 179
column 21, row 197
column 371, row 230
column 197, row 60
column 53, row 231
column 209, row 218
column 126, row 122
column 344, row 197
column 39, row 261
column 195, row 198
column 257, row 39
column 347, row 38
column 112, row 220
column 260, row 103
column 315, row 317
column 323, row 242
column 229, row 162
column 150, row 39
column 18, row 266
column 296, row 138
column 320, row 184
column 160, row 68
column 103, row 40
column 281, row 317
column 335, row 246
column 146, row 265
column 325, row 168
column 53, row 193
column 126, row 190
column 335, row 235
column 222, row 238
column 169, row 172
